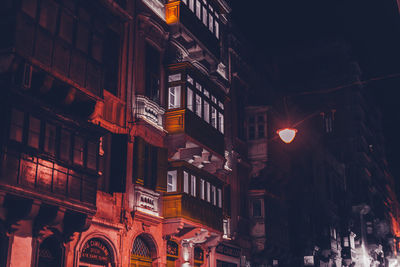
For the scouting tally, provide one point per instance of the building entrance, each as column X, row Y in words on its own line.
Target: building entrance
column 141, row 255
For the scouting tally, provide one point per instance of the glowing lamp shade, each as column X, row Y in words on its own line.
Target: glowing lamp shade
column 287, row 135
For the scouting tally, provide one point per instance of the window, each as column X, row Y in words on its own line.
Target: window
column 97, row 47
column 213, row 195
column 185, row 182
column 48, row 15
column 216, row 29
column 261, row 132
column 256, row 208
column 189, row 100
column 34, row 132
column 252, row 133
column 211, row 23
column 213, row 99
column 191, row 5
column 17, row 125
column 221, row 122
column 346, row 241
column 174, row 77
column 206, row 93
column 219, row 198
column 78, row 150
column 91, row 155
column 206, row 111
column 189, row 79
column 171, row 181
column 193, row 185
column 174, row 99
column 66, row 27
column 65, row 145
column 204, row 15
column 198, row 86
column 50, row 139
column 226, row 228
column 29, row 7
column 213, row 117
column 198, row 9
column 198, row 105
column 202, row 189
column 208, row 192
column 152, row 68
column 82, row 37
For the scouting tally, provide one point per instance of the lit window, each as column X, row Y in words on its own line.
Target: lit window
column 189, row 79
column 174, row 99
column 204, row 15
column 50, row 139
column 219, row 198
column 216, row 29
column 213, row 195
column 211, row 23
column 208, row 191
column 346, row 241
column 189, row 100
column 198, row 105
column 193, row 185
column 352, row 244
column 185, row 182
column 185, row 2
column 191, row 5
column 221, row 105
column 174, row 77
column 78, row 150
column 213, row 99
column 213, row 117
column 171, row 181
column 206, row 111
column 34, row 132
column 221, row 122
column 198, row 9
column 226, row 228
column 198, row 86
column 202, row 193
column 17, row 125
column 206, row 93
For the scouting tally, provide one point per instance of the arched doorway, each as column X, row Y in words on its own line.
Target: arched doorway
column 143, row 252
column 50, row 253
column 96, row 253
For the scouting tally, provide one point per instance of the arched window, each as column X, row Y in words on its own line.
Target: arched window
column 96, row 253
column 143, row 252
column 140, row 248
column 50, row 253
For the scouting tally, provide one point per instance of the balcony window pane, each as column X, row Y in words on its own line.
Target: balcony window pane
column 219, row 198
column 17, row 125
column 213, row 117
column 261, row 132
column 206, row 111
column 206, row 93
column 202, row 189
column 92, row 156
column 97, row 47
column 221, row 122
column 198, row 86
column 198, row 9
column 82, row 37
column 78, row 150
column 189, row 79
column 204, row 15
column 174, row 77
column 185, row 182
column 174, row 98
column 198, row 105
column 66, row 27
column 34, row 132
column 193, row 185
column 211, row 23
column 50, row 139
column 189, row 100
column 346, row 241
column 185, row 2
column 221, row 105
column 208, row 191
column 48, row 15
column 213, row 195
column 171, row 181
column 213, row 99
column 216, row 29
column 191, row 5
column 252, row 133
column 65, row 145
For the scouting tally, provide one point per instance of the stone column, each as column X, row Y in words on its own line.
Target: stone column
column 21, row 251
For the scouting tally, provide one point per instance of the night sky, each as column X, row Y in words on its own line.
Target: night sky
column 281, row 30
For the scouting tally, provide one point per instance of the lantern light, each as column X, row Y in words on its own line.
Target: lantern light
column 287, row 135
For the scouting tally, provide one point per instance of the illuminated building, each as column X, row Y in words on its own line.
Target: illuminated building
column 120, row 142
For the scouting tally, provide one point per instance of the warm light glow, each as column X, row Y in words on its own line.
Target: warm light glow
column 287, row 135
column 172, row 12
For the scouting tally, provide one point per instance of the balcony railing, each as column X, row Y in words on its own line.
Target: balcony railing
column 190, row 208
column 33, row 175
column 149, row 111
column 147, row 200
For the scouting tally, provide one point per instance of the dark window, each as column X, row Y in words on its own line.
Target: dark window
column 260, row 130
column 65, row 145
column 66, row 27
column 152, row 66
column 50, row 139
column 257, row 208
column 82, row 37
column 252, row 133
column 50, row 252
column 34, row 132
column 97, row 47
column 29, row 7
column 78, row 150
column 92, row 155
column 48, row 15
column 111, row 61
column 17, row 125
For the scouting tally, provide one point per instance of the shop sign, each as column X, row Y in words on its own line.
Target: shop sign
column 172, row 249
column 95, row 252
column 308, row 260
column 227, row 250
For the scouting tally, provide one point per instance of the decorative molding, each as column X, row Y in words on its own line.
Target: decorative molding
column 149, row 111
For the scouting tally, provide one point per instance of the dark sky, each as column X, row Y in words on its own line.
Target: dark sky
column 280, row 30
